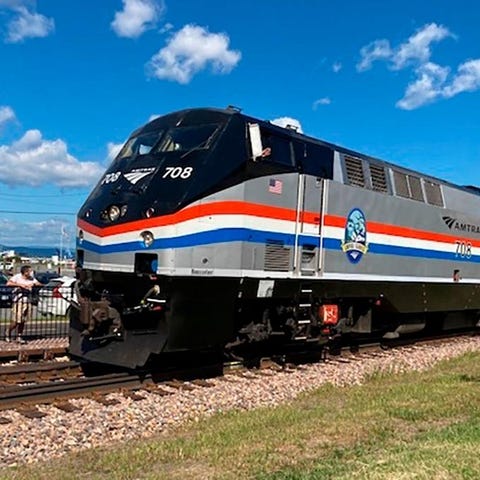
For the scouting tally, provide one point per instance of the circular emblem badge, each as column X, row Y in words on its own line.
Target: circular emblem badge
column 355, row 239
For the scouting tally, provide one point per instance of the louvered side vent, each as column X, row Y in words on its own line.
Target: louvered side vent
column 416, row 188
column 277, row 257
column 354, row 169
column 401, row 185
column 433, row 193
column 379, row 180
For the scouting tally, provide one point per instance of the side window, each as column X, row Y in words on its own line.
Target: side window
column 409, row 186
column 434, row 193
column 277, row 149
column 317, row 160
column 300, row 151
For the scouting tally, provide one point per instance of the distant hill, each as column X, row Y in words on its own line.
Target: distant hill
column 39, row 251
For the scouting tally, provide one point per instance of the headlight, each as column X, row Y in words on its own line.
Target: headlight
column 80, row 236
column 113, row 213
column 147, row 238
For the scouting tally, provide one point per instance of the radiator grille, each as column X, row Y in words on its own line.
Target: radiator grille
column 354, row 170
column 277, row 256
column 379, row 180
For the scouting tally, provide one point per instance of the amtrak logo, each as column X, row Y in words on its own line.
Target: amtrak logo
column 355, row 240
column 136, row 175
column 455, row 224
column 449, row 221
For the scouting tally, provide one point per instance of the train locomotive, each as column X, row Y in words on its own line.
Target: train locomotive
column 215, row 231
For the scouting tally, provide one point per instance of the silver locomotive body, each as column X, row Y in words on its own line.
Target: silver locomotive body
column 214, row 230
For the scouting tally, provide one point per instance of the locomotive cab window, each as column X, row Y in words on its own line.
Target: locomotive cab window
column 181, row 139
column 140, row 144
column 315, row 159
column 277, row 149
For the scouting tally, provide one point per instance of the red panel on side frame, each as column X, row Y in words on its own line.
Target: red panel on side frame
column 328, row 314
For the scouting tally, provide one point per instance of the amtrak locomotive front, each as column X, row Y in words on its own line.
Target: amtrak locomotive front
column 215, row 231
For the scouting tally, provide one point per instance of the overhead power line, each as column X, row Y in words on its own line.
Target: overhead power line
column 38, row 213
column 48, row 195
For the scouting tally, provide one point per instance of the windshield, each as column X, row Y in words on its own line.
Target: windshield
column 187, row 138
column 185, row 161
column 140, row 145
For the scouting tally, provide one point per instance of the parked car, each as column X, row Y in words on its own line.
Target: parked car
column 45, row 277
column 54, row 299
column 5, row 292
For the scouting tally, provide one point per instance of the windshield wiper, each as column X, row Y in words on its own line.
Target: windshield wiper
column 200, row 146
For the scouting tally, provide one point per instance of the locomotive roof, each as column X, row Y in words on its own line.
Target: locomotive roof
column 233, row 111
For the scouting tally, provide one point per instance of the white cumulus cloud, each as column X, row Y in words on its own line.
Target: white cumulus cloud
column 137, row 17
column 42, row 233
column 153, row 116
column 191, row 50
column 321, row 101
column 26, row 23
column 417, row 48
column 434, row 82
column 467, row 79
column 34, row 161
column 426, row 88
column 113, row 150
column 288, row 121
column 376, row 50
column 6, row 115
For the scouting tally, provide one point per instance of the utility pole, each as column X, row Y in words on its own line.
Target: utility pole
column 60, row 251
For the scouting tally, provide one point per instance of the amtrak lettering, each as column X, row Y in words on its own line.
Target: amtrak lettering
column 355, row 239
column 454, row 224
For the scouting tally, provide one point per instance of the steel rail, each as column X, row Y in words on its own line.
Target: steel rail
column 47, row 392
column 30, row 369
column 14, row 396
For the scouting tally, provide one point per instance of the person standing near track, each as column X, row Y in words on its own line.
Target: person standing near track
column 22, row 301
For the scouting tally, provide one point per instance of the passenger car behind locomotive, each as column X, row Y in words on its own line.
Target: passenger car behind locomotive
column 215, row 230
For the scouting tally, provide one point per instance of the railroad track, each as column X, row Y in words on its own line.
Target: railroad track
column 56, row 382
column 53, row 391
column 37, row 371
column 53, row 383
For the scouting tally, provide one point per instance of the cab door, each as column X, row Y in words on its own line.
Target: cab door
column 308, row 236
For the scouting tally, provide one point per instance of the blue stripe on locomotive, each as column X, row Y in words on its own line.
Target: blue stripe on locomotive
column 258, row 236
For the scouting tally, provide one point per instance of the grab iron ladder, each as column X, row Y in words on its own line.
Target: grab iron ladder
column 303, row 313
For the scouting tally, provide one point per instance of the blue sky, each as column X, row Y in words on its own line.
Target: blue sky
column 399, row 80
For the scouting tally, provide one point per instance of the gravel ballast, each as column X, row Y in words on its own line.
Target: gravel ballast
column 27, row 440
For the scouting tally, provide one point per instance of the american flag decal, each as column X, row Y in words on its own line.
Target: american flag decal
column 275, row 186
